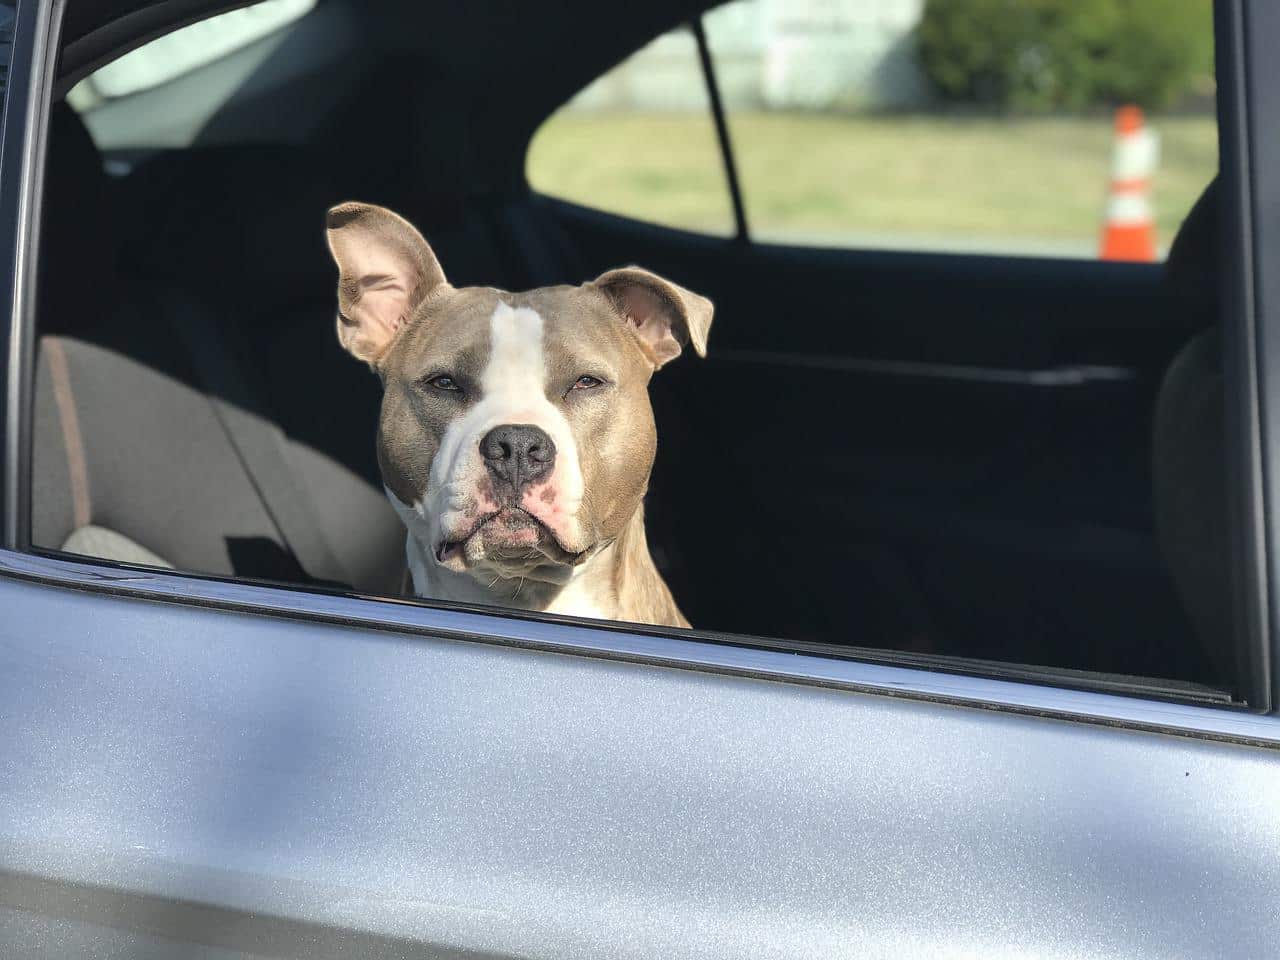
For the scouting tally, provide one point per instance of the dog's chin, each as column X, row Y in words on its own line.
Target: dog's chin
column 509, row 544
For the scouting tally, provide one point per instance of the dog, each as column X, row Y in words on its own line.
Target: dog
column 516, row 436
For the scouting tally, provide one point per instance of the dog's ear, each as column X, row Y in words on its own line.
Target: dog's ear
column 385, row 269
column 663, row 315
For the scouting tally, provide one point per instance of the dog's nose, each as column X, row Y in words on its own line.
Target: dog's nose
column 517, row 454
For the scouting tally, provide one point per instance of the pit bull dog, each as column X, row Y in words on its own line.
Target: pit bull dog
column 516, row 435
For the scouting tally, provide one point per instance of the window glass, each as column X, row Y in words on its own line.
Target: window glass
column 966, row 126
column 894, row 124
column 193, row 46
column 640, row 142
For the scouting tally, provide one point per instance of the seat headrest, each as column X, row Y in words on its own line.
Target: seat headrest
column 1188, row 452
column 1193, row 262
column 1190, row 492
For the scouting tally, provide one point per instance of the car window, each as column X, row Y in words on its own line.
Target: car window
column 983, row 460
column 173, row 54
column 947, row 126
column 175, row 90
column 640, row 142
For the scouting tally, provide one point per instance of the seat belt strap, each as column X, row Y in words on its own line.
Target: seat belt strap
column 259, row 443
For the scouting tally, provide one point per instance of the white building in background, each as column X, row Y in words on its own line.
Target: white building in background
column 779, row 54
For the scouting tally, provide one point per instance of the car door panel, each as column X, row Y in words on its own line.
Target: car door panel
column 286, row 788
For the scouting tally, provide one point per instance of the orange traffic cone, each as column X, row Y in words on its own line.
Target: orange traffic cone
column 1130, row 230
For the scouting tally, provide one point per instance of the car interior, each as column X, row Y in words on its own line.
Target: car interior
column 939, row 459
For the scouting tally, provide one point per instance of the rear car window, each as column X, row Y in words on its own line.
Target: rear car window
column 647, row 127
column 174, row 54
column 949, row 126
column 173, row 91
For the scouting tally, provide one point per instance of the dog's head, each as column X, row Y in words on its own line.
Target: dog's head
column 516, row 435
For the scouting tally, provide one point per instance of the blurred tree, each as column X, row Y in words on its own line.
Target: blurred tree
column 1066, row 54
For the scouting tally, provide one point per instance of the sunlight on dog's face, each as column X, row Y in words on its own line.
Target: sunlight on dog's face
column 516, row 434
column 495, row 425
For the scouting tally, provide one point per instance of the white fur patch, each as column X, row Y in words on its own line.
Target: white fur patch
column 514, row 380
column 579, row 599
column 513, row 390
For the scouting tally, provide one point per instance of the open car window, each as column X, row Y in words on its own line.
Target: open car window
column 648, row 124
column 815, row 352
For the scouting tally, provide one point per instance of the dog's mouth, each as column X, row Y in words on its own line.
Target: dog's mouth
column 510, row 536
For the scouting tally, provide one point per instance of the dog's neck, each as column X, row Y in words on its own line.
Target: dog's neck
column 618, row 583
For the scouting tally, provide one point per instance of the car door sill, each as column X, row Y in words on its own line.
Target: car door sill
column 665, row 647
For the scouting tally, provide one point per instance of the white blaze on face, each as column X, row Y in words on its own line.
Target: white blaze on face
column 512, row 391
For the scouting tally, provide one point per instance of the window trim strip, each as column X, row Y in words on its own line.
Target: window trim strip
column 1247, row 29
column 25, row 130
column 741, row 233
column 648, row 646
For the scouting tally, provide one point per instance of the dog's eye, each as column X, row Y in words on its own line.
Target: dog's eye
column 586, row 383
column 443, row 381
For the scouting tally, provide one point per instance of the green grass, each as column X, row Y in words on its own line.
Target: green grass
column 918, row 180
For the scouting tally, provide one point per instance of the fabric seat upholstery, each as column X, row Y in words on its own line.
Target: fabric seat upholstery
column 126, row 436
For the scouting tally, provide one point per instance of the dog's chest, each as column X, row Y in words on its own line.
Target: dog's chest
column 584, row 597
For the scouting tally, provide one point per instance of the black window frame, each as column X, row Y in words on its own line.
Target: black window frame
column 1249, row 160
column 1247, row 32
